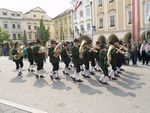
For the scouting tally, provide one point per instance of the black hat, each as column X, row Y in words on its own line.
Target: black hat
column 103, row 46
column 76, row 40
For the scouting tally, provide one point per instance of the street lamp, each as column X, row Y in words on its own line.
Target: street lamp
column 91, row 2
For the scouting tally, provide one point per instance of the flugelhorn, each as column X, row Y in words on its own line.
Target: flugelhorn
column 57, row 49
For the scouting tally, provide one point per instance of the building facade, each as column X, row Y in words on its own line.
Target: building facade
column 62, row 26
column 116, row 17
column 82, row 17
column 25, row 25
column 12, row 22
column 31, row 23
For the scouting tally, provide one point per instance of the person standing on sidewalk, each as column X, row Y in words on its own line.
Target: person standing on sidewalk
column 143, row 52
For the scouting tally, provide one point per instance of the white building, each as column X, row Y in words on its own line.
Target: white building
column 12, row 22
column 31, row 22
column 82, row 17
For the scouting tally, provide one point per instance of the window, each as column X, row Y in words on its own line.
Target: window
column 75, row 15
column 129, row 17
column 4, row 14
column 101, row 23
column 29, row 27
column 12, row 14
column 81, row 27
column 14, row 36
column 5, row 26
column 35, row 27
column 34, row 15
column 88, row 26
column 13, row 26
column 81, row 14
column 30, row 36
column 76, row 29
column 19, row 26
column 35, row 34
column 112, row 21
column 100, row 2
column 111, row 1
column 48, row 28
column 19, row 36
column 18, row 14
column 88, row 12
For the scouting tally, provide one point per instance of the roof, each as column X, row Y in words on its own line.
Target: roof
column 36, row 9
column 62, row 14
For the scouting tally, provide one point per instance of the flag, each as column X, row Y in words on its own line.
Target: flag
column 77, row 5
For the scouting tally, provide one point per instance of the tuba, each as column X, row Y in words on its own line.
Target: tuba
column 57, row 49
column 19, row 53
column 81, row 49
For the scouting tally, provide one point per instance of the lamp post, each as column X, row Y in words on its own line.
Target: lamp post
column 91, row 18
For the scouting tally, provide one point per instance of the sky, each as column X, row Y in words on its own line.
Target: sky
column 52, row 7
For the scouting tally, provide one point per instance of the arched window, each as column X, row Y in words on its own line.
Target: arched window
column 112, row 18
column 101, row 20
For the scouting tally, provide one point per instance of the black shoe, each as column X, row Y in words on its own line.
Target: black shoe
column 19, row 74
column 79, row 80
column 73, row 79
column 36, row 76
column 105, row 83
column 92, row 73
column 28, row 70
column 58, row 78
column 41, row 76
column 51, row 77
column 119, row 72
column 32, row 70
column 116, row 75
column 95, row 69
column 114, row 79
column 99, row 70
column 63, row 72
column 122, row 70
column 67, row 74
column 85, row 76
column 69, row 68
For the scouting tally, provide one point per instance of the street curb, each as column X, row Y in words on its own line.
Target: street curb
column 21, row 107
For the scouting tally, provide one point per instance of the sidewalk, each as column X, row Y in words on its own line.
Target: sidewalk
column 10, row 107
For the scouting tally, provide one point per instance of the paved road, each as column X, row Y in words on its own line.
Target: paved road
column 130, row 94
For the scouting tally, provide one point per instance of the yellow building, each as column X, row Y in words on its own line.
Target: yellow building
column 62, row 26
column 115, row 17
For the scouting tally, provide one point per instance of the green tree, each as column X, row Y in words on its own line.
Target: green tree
column 44, row 34
column 4, row 35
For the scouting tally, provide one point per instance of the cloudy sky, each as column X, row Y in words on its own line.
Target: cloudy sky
column 52, row 7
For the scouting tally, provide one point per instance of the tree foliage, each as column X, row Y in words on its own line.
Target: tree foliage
column 44, row 33
column 4, row 35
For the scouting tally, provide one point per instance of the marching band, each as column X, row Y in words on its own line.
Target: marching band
column 81, row 54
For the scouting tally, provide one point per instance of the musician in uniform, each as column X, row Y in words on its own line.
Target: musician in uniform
column 65, row 57
column 17, row 53
column 103, row 64
column 76, row 60
column 30, row 56
column 54, row 59
column 38, row 59
column 86, row 60
column 111, row 56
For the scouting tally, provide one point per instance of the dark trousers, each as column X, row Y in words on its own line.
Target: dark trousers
column 86, row 65
column 55, row 65
column 134, row 58
column 105, row 70
column 77, row 65
column 19, row 63
column 144, row 57
column 39, row 64
column 31, row 61
column 113, row 65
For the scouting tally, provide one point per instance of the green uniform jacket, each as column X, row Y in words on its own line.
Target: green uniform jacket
column 113, row 56
column 103, row 59
column 36, row 54
column 64, row 55
column 30, row 53
column 75, row 55
column 51, row 55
